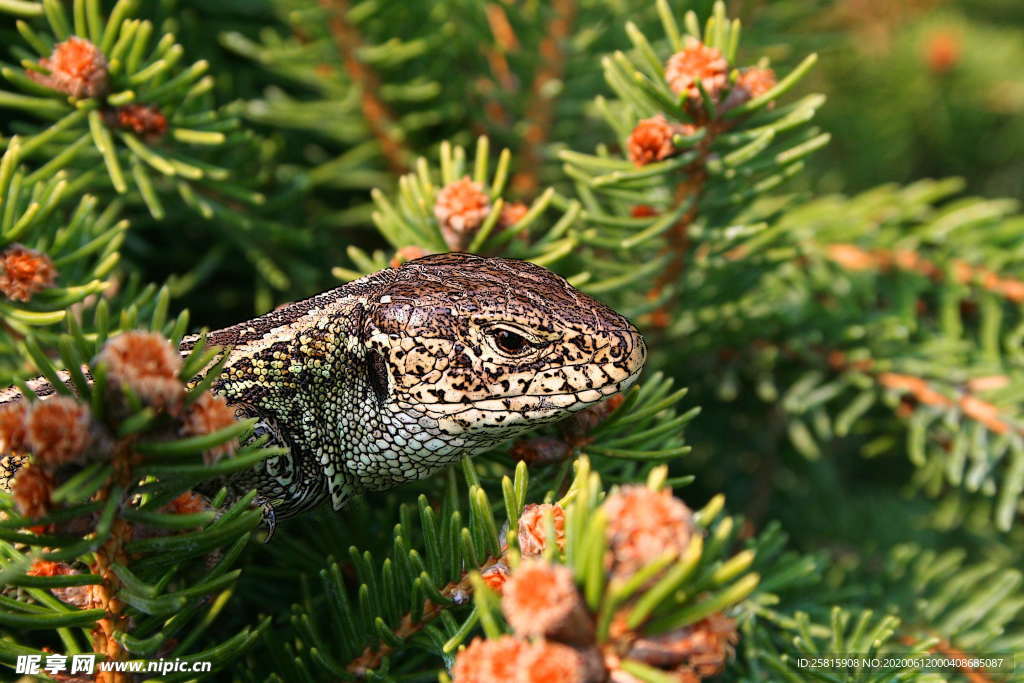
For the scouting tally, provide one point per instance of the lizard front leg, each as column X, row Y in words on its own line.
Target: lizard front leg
column 286, row 484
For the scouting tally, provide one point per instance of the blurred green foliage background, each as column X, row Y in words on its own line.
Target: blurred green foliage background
column 916, row 88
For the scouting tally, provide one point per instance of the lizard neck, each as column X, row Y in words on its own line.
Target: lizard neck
column 300, row 370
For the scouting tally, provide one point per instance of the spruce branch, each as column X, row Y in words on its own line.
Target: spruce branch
column 941, row 296
column 637, row 589
column 55, row 255
column 101, row 527
column 119, row 99
column 112, row 108
column 693, row 163
column 896, row 299
column 937, row 414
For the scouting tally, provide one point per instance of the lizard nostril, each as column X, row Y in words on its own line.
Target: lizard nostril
column 629, row 349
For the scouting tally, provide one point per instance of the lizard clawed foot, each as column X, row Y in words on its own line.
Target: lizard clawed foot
column 269, row 516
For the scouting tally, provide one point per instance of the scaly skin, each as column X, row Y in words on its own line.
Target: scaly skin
column 399, row 374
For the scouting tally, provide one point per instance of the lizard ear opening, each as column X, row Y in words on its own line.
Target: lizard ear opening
column 377, row 374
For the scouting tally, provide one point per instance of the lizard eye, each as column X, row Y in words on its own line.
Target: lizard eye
column 510, row 342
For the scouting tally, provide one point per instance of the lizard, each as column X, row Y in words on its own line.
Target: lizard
column 397, row 375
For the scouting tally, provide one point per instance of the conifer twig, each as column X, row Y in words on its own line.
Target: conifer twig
column 968, row 403
column 852, row 257
column 540, row 107
column 111, row 552
column 921, row 390
column 378, row 115
column 690, row 190
column 506, row 39
column 371, row 657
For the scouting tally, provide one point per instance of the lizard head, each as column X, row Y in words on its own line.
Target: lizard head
column 475, row 350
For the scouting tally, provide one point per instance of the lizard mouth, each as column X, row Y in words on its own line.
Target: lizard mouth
column 629, row 381
column 533, row 407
